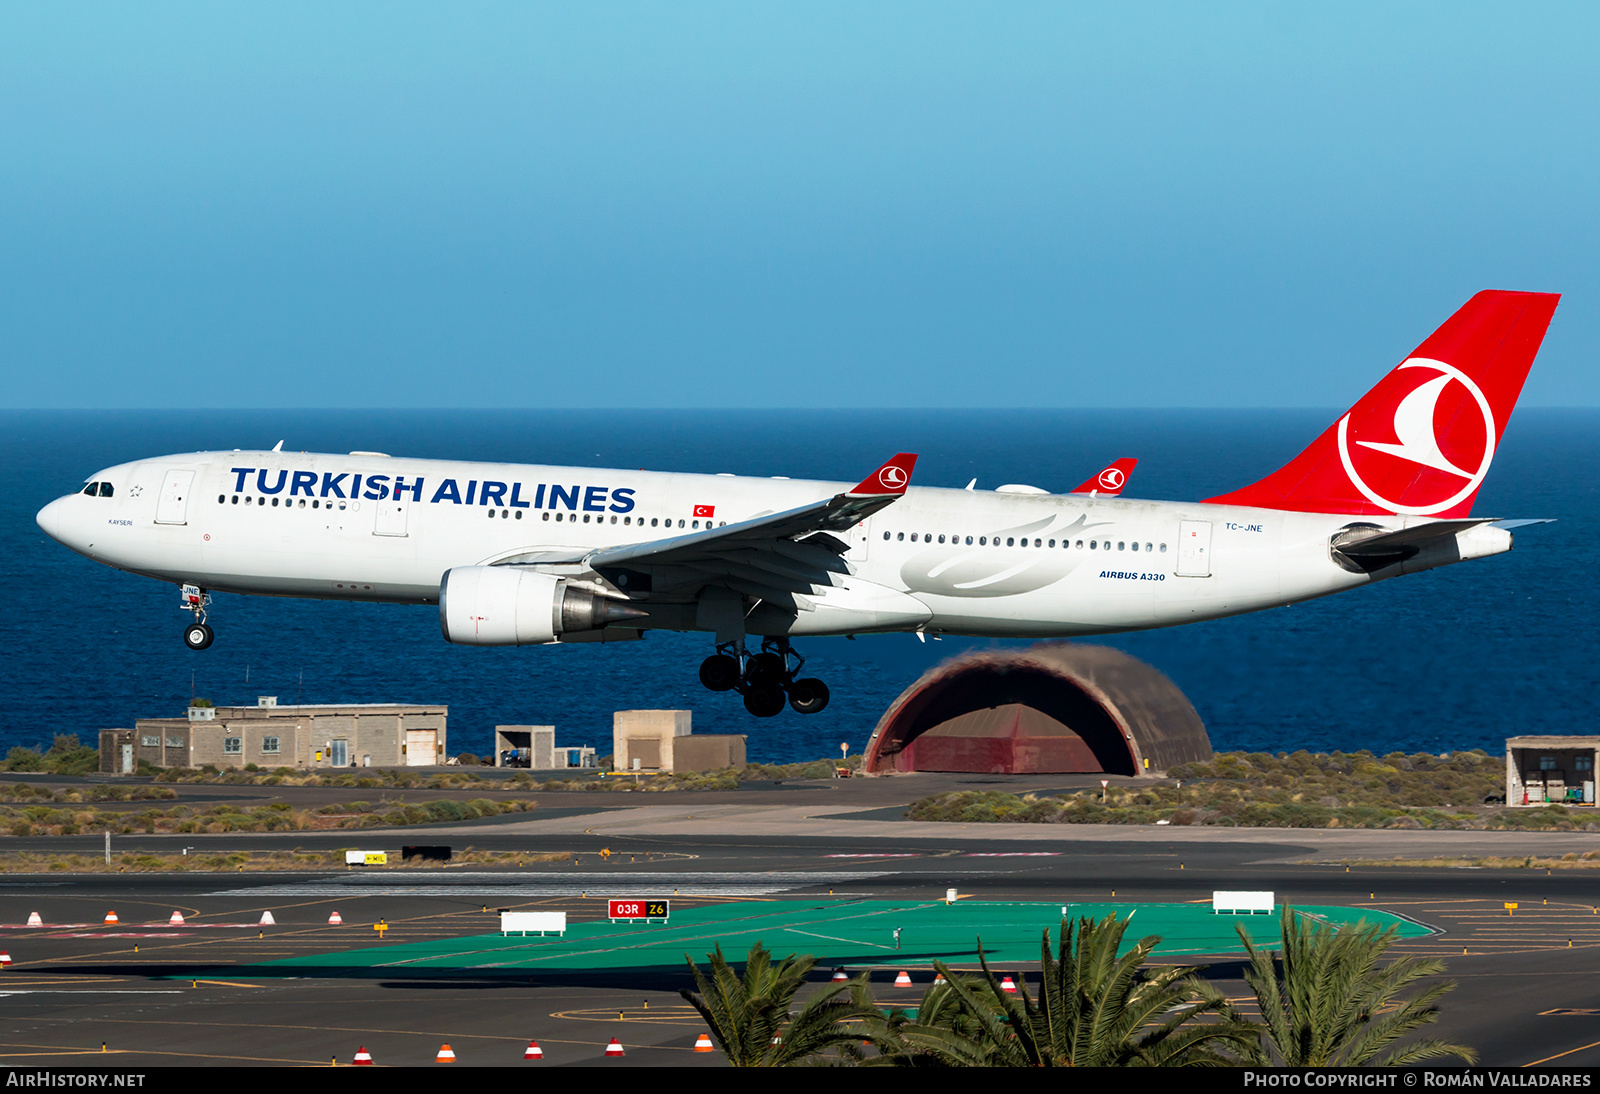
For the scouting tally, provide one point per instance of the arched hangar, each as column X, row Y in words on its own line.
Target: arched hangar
column 1057, row 707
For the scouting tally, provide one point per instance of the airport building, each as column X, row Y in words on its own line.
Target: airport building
column 1551, row 770
column 535, row 747
column 662, row 741
column 1053, row 708
column 329, row 735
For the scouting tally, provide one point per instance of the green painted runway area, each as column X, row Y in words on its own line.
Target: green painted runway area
column 854, row 933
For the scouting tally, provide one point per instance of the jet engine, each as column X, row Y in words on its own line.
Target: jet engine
column 510, row 606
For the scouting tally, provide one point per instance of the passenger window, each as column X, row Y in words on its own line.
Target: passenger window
column 696, row 524
column 901, row 536
column 913, row 537
column 558, row 517
column 1163, row 548
column 236, row 499
column 941, row 539
column 680, row 524
column 544, row 516
column 1122, row 545
column 1011, row 541
column 653, row 521
column 1093, row 545
column 983, row 541
column 1038, row 543
column 1136, row 545
column 969, row 541
column 1052, row 543
column 1080, row 545
column 886, row 536
column 519, row 514
column 222, row 499
column 1147, row 547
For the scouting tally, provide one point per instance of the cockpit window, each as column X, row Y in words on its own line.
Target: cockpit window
column 92, row 489
column 105, row 490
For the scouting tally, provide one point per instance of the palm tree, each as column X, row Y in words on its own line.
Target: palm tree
column 1094, row 1010
column 1326, row 1003
column 750, row 1016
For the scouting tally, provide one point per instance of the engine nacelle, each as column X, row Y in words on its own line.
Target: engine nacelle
column 511, row 606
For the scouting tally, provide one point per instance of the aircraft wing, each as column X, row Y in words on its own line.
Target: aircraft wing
column 776, row 557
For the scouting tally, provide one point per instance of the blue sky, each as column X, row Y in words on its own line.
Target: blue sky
column 756, row 205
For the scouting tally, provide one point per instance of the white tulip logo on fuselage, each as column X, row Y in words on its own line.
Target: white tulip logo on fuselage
column 1419, row 443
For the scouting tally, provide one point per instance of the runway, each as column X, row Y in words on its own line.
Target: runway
column 162, row 995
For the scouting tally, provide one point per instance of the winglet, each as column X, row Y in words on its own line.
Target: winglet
column 892, row 478
column 1110, row 481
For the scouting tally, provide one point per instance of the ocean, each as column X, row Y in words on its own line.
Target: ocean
column 1455, row 658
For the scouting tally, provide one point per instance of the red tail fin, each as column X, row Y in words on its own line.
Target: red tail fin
column 1109, row 483
column 1421, row 441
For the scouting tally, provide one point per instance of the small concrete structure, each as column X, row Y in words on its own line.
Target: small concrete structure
column 525, row 746
column 1546, row 770
column 660, row 740
column 337, row 735
column 535, row 747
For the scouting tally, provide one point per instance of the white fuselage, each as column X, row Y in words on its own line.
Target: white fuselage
column 936, row 560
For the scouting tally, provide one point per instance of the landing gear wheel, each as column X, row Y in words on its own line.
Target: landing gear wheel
column 719, row 672
column 764, row 700
column 765, row 668
column 197, row 636
column 808, row 696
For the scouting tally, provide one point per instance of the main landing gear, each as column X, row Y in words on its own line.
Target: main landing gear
column 197, row 635
column 765, row 679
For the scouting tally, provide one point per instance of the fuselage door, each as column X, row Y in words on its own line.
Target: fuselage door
column 172, row 507
column 392, row 518
column 1194, row 548
column 859, row 536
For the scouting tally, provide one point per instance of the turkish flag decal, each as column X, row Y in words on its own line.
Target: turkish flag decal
column 705, row 510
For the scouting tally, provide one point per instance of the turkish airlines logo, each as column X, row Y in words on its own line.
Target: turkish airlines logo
column 892, row 478
column 704, row 510
column 1111, row 478
column 1417, row 442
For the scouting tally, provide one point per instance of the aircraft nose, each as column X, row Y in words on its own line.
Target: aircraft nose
column 49, row 518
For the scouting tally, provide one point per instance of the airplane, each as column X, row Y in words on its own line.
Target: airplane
column 517, row 554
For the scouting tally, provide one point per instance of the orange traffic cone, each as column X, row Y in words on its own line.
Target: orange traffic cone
column 363, row 1057
column 614, row 1048
column 839, row 974
column 267, row 920
column 111, row 917
column 903, row 980
column 334, row 920
column 34, row 920
column 175, row 919
column 445, row 1055
column 938, row 978
column 1006, row 984
column 5, row 959
column 703, row 1043
column 534, row 1051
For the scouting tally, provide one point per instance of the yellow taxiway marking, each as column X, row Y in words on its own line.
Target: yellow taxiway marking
column 1557, row 1056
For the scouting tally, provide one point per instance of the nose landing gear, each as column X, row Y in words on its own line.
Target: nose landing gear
column 766, row 679
column 197, row 635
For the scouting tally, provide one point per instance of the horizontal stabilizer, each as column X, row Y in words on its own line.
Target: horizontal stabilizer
column 1367, row 548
